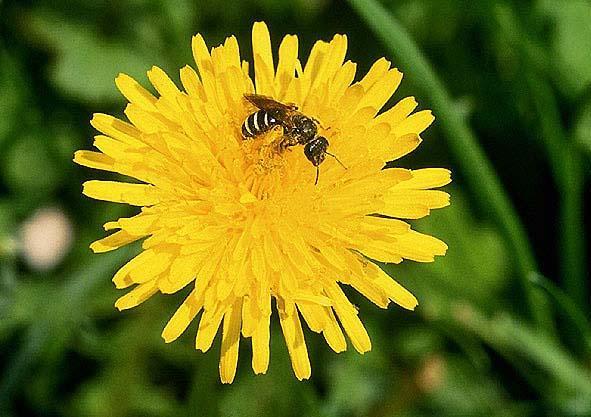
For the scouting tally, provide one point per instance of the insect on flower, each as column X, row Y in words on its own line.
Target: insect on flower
column 225, row 209
column 298, row 129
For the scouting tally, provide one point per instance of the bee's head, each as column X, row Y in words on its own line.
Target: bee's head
column 305, row 128
column 315, row 150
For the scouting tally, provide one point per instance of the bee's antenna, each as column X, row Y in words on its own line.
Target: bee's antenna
column 335, row 157
column 317, row 173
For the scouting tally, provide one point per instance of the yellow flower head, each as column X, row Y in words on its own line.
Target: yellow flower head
column 241, row 220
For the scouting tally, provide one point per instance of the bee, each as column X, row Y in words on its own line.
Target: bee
column 298, row 129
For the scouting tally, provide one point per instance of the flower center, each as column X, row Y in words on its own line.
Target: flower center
column 265, row 163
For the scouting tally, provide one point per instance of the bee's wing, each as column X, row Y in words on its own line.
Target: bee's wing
column 267, row 103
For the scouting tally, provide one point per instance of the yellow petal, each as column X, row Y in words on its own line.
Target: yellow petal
column 230, row 339
column 375, row 73
column 427, row 178
column 152, row 265
column 400, row 146
column 260, row 341
column 191, row 82
column 379, row 93
column 134, row 92
column 288, row 56
column 231, row 53
column 307, row 76
column 140, row 225
column 136, row 296
column 183, row 270
column 341, row 81
column 258, row 262
column 205, row 66
column 332, row 332
column 115, row 128
column 208, row 327
column 147, row 122
column 398, row 112
column 305, row 297
column 334, row 257
column 263, row 59
column 420, row 247
column 113, row 241
column 415, row 123
column 310, row 314
column 348, row 317
column 369, row 290
column 94, row 160
column 119, row 192
column 144, row 267
column 413, row 204
column 332, row 61
column 294, row 338
column 184, row 315
column 115, row 149
column 393, row 290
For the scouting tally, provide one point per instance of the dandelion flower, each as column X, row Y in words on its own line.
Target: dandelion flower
column 243, row 223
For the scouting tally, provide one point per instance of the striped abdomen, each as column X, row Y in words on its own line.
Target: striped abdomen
column 257, row 123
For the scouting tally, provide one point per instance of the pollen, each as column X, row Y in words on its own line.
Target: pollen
column 263, row 154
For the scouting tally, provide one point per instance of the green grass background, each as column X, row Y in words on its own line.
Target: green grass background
column 502, row 328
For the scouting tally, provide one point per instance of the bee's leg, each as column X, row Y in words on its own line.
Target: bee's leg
column 276, row 129
column 283, row 144
column 286, row 142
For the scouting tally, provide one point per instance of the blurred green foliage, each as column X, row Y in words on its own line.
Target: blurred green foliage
column 468, row 350
column 569, row 40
